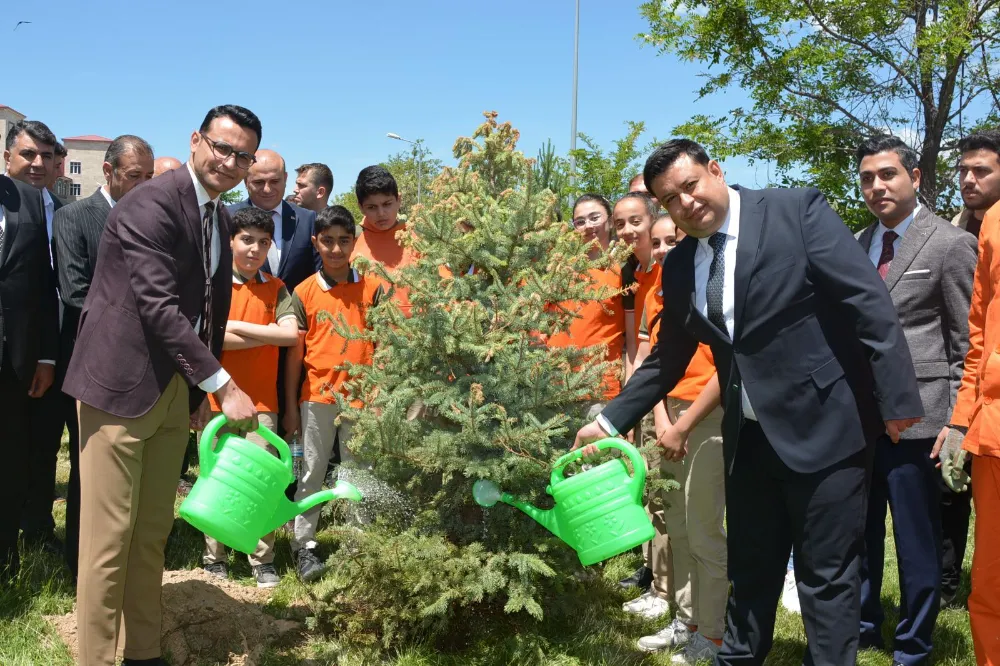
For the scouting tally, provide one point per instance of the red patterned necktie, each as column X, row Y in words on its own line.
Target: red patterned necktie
column 885, row 259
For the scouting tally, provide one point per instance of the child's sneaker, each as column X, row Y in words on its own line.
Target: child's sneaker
column 309, row 566
column 698, row 649
column 674, row 635
column 266, row 575
column 217, row 570
column 647, row 605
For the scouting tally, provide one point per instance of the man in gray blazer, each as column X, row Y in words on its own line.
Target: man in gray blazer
column 928, row 266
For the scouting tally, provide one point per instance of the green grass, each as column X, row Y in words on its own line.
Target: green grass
column 585, row 630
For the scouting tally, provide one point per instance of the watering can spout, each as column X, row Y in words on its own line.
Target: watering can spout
column 288, row 510
column 545, row 518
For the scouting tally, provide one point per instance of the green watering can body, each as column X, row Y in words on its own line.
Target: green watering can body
column 240, row 493
column 599, row 512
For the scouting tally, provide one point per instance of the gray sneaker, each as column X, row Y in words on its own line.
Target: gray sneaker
column 674, row 635
column 217, row 570
column 698, row 649
column 309, row 566
column 266, row 575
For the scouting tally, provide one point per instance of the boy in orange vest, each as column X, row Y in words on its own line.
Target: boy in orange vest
column 319, row 302
column 260, row 320
column 379, row 200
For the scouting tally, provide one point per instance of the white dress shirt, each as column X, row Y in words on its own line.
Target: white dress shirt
column 875, row 251
column 703, row 262
column 274, row 252
column 219, row 379
column 107, row 196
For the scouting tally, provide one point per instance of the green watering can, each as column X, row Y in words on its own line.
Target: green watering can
column 240, row 493
column 599, row 513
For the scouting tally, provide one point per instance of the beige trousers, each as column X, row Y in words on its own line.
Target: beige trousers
column 129, row 470
column 264, row 554
column 693, row 520
column 318, row 435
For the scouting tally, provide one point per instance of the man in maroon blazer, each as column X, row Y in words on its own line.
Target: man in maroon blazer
column 150, row 337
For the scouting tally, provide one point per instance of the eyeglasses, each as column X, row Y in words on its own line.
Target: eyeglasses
column 593, row 220
column 223, row 150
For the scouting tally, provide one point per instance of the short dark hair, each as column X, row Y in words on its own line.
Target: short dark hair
column 334, row 216
column 652, row 207
column 60, row 150
column 36, row 129
column 887, row 143
column 319, row 174
column 668, row 153
column 252, row 217
column 982, row 140
column 124, row 143
column 590, row 196
column 375, row 180
column 243, row 117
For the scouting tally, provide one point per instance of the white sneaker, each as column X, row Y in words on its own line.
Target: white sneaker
column 790, row 594
column 648, row 605
column 698, row 649
column 674, row 635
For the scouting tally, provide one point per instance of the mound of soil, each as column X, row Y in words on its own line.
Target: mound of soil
column 206, row 621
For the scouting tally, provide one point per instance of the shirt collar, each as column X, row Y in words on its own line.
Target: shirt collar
column 238, row 278
column 47, row 198
column 276, row 209
column 199, row 190
column 900, row 228
column 326, row 283
column 730, row 225
column 107, row 195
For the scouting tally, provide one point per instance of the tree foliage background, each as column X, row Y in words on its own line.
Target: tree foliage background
column 464, row 389
column 824, row 74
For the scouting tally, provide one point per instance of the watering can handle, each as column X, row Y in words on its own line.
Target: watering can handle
column 638, row 462
column 207, row 453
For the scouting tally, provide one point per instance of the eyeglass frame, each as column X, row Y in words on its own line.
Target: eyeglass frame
column 212, row 143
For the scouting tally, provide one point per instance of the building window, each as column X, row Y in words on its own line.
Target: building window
column 74, row 167
column 74, row 189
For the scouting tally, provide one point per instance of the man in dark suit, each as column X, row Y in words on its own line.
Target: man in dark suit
column 148, row 349
column 32, row 156
column 76, row 236
column 813, row 367
column 928, row 266
column 292, row 256
column 29, row 330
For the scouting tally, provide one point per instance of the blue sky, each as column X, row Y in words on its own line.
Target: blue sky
column 330, row 79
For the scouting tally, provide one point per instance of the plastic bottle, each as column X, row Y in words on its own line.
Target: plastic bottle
column 297, row 456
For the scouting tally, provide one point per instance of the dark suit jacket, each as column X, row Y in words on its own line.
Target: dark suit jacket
column 76, row 235
column 299, row 258
column 28, row 308
column 817, row 343
column 930, row 283
column 137, row 326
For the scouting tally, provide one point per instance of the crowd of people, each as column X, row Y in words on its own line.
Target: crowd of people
column 797, row 382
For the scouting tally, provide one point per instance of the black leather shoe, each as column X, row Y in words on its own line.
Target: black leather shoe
column 642, row 578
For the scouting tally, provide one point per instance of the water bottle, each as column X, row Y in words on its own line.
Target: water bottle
column 297, row 455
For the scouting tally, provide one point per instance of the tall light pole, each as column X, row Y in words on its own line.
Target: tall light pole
column 576, row 79
column 417, row 157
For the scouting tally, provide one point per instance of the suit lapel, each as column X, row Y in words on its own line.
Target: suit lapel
column 865, row 239
column 913, row 240
column 9, row 196
column 752, row 211
column 191, row 209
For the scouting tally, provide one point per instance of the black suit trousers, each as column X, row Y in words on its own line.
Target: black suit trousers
column 771, row 509
column 46, row 420
column 14, row 447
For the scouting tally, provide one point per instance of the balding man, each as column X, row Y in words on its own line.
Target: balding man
column 161, row 165
column 76, row 235
column 292, row 256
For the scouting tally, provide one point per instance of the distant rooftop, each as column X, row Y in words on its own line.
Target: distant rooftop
column 4, row 106
column 89, row 137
